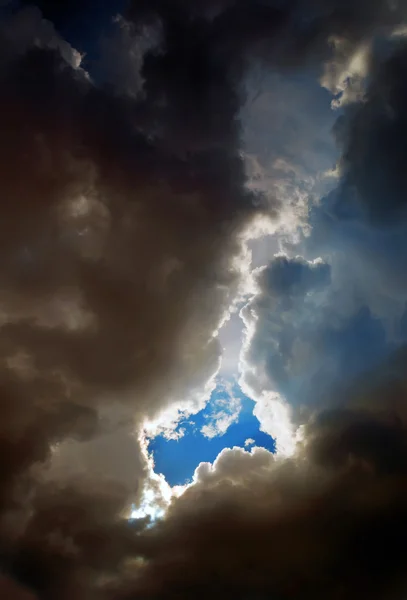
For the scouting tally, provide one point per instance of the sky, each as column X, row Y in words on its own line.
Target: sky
column 203, row 299
column 227, row 421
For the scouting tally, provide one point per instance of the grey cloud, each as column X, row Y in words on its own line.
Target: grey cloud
column 116, row 268
column 122, row 219
column 286, row 277
column 302, row 342
column 318, row 346
column 11, row 590
column 328, row 522
column 372, row 179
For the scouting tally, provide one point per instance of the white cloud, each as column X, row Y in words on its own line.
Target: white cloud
column 224, row 412
column 234, row 464
column 344, row 76
column 156, row 494
column 274, row 416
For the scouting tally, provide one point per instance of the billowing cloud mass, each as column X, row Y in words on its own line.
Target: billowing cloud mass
column 126, row 209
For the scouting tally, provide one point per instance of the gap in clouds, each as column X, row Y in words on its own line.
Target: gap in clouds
column 177, row 459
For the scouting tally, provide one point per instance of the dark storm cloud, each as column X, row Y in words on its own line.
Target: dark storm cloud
column 60, row 12
column 12, row 591
column 109, row 238
column 116, row 252
column 120, row 221
column 74, row 539
column 285, row 277
column 331, row 522
column 328, row 523
column 361, row 224
column 307, row 340
column 373, row 178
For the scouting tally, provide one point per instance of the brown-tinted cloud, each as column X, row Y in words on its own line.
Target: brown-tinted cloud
column 12, row 591
column 116, row 267
column 115, row 248
column 121, row 217
column 329, row 522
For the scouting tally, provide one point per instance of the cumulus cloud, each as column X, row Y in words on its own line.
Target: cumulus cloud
column 328, row 522
column 125, row 212
column 309, row 335
column 346, row 78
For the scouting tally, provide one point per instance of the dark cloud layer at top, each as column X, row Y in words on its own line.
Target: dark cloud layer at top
column 121, row 217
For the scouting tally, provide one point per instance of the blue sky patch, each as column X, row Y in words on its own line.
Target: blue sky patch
column 178, row 459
